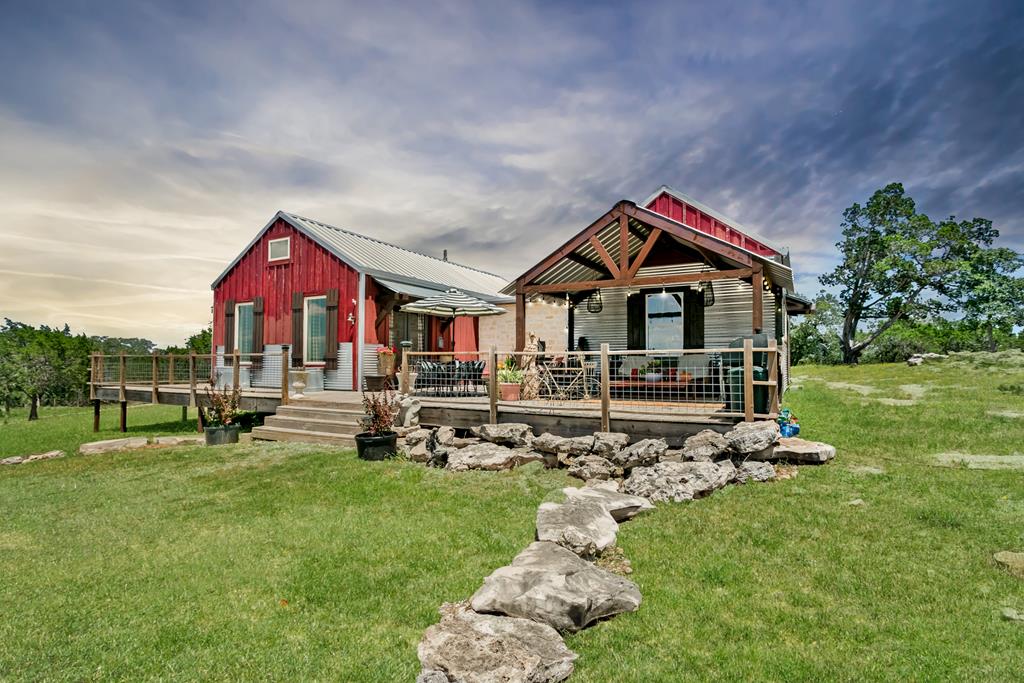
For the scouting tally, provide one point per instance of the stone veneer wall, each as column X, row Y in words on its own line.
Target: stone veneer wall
column 547, row 321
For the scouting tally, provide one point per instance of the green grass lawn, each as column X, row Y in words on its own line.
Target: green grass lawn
column 295, row 562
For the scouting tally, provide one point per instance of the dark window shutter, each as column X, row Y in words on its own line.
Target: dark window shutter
column 297, row 328
column 693, row 319
column 331, row 352
column 257, row 330
column 636, row 322
column 229, row 326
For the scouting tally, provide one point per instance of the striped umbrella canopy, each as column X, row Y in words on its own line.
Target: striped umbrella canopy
column 451, row 304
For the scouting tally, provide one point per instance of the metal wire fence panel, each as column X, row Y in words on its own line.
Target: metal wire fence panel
column 460, row 376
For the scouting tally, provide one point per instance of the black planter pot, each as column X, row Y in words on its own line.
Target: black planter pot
column 376, row 447
column 219, row 436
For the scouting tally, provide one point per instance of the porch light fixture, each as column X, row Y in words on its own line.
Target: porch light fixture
column 663, row 293
column 709, row 295
column 594, row 303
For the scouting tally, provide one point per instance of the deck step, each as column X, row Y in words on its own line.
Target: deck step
column 318, row 413
column 302, row 436
column 345, row 403
column 335, row 426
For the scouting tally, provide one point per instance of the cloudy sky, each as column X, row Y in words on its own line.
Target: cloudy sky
column 143, row 144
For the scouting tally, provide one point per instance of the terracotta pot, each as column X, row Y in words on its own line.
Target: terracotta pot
column 509, row 391
column 386, row 363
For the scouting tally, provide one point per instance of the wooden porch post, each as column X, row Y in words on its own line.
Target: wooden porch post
column 520, row 319
column 492, row 383
column 748, row 380
column 404, row 382
column 92, row 376
column 284, row 375
column 606, row 391
column 124, row 416
column 122, row 396
column 192, row 380
column 236, row 366
column 773, row 377
column 96, row 415
column 155, row 378
column 757, row 282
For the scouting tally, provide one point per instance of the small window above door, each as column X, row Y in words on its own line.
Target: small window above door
column 279, row 250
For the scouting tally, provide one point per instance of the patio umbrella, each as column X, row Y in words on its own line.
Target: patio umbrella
column 451, row 304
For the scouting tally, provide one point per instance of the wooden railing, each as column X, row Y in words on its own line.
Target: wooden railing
column 192, row 372
column 574, row 380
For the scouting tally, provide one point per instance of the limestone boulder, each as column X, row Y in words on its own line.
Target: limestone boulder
column 621, row 506
column 444, row 436
column 507, row 434
column 552, row 585
column 418, row 452
column 728, row 470
column 13, row 460
column 754, row 471
column 577, row 446
column 705, row 446
column 111, row 445
column 583, row 526
column 641, row 454
column 467, row 647
column 48, row 455
column 463, row 441
column 609, row 443
column 677, row 481
column 589, row 467
column 800, row 450
column 489, row 456
column 1011, row 561
column 417, row 436
column 180, row 441
column 752, row 437
column 548, row 443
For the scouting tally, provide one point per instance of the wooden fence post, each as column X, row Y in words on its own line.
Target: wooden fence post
column 606, row 391
column 285, row 360
column 773, row 377
column 123, row 368
column 192, row 380
column 236, row 366
column 96, row 415
column 92, row 376
column 492, row 383
column 403, row 382
column 170, row 368
column 155, row 378
column 748, row 380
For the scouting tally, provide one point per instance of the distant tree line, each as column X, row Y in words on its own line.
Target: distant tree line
column 50, row 366
column 907, row 284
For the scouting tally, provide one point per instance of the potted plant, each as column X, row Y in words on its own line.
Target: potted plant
column 222, row 416
column 651, row 372
column 386, row 360
column 788, row 424
column 380, row 440
column 510, row 380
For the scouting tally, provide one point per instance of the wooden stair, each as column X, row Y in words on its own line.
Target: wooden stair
column 333, row 423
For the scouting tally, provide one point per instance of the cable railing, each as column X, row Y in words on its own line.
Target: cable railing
column 737, row 381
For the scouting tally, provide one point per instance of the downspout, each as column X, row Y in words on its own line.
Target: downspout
column 360, row 330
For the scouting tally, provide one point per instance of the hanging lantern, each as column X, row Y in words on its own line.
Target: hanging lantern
column 709, row 294
column 594, row 303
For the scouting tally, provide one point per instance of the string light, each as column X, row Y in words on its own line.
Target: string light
column 663, row 293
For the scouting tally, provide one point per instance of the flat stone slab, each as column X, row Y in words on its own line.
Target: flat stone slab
column 678, row 481
column 48, row 455
column 467, row 647
column 489, row 456
column 1011, row 561
column 111, row 445
column 12, row 460
column 583, row 526
column 980, row 462
column 554, row 586
column 621, row 506
column 508, row 433
column 803, row 451
column 180, row 441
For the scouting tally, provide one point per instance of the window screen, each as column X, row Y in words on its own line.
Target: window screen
column 664, row 321
column 316, row 329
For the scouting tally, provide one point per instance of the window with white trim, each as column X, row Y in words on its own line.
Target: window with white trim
column 665, row 320
column 280, row 249
column 315, row 320
column 243, row 328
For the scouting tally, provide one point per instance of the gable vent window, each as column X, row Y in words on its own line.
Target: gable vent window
column 280, row 250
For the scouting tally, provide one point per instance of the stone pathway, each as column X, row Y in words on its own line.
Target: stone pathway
column 510, row 629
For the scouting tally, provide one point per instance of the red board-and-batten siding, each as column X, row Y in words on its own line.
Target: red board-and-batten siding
column 310, row 269
column 680, row 211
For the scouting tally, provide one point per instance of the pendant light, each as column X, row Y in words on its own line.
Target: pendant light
column 594, row 303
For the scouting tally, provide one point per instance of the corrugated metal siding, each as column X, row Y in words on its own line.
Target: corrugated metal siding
column 678, row 207
column 341, row 379
column 729, row 318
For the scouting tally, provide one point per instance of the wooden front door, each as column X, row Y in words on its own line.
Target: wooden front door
column 406, row 329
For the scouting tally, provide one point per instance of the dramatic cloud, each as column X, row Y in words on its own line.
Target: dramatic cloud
column 143, row 144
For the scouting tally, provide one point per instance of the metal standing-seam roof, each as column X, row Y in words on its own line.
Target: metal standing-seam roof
column 386, row 261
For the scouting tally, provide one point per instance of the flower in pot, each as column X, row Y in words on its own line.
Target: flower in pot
column 380, row 440
column 510, row 381
column 651, row 371
column 386, row 360
column 221, row 417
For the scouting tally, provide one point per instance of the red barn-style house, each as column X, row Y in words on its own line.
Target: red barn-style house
column 332, row 297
